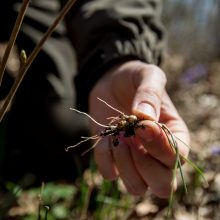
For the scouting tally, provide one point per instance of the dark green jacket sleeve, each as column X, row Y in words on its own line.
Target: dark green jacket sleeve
column 105, row 32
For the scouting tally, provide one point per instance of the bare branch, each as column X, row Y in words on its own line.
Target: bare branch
column 24, row 68
column 13, row 37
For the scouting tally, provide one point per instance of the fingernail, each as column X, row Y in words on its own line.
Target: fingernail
column 147, row 109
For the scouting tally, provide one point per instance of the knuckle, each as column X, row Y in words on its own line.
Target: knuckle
column 157, row 70
column 151, row 96
column 152, row 68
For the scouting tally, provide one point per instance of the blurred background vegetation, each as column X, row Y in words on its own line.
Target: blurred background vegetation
column 193, row 28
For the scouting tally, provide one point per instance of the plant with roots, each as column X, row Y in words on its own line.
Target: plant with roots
column 126, row 125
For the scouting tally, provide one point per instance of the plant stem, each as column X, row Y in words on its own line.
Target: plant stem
column 13, row 37
column 32, row 56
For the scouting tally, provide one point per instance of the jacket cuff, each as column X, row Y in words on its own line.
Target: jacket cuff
column 105, row 56
column 97, row 63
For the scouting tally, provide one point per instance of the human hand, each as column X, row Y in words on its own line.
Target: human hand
column 145, row 159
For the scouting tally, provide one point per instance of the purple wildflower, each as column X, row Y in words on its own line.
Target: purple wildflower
column 215, row 150
column 194, row 74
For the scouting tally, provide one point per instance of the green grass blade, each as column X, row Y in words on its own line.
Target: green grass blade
column 196, row 168
column 171, row 198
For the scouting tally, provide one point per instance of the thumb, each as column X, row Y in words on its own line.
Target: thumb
column 150, row 84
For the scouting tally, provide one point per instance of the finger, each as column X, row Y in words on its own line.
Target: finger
column 170, row 117
column 127, row 171
column 156, row 143
column 155, row 139
column 156, row 175
column 104, row 160
column 150, row 85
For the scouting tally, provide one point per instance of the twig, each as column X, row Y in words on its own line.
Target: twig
column 32, row 56
column 13, row 37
